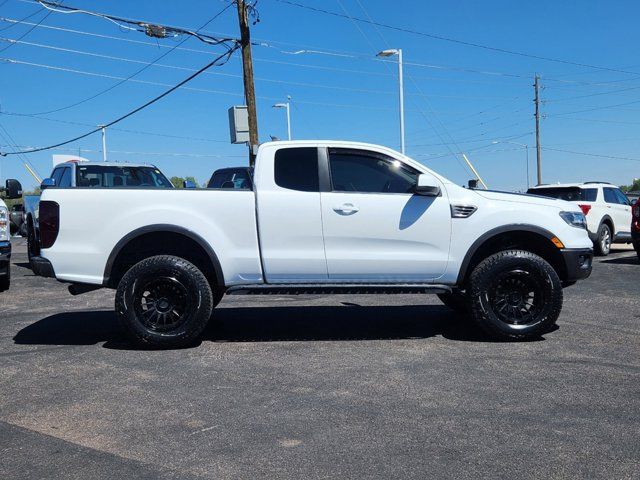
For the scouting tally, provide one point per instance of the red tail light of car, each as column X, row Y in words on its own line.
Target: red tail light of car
column 585, row 208
column 635, row 219
column 49, row 221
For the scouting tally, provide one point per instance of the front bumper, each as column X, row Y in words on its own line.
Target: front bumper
column 42, row 267
column 5, row 258
column 578, row 263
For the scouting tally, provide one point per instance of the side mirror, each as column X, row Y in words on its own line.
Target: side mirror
column 427, row 185
column 14, row 189
column 47, row 183
column 188, row 184
column 473, row 183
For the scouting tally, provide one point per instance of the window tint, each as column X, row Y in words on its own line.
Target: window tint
column 233, row 178
column 56, row 175
column 589, row 194
column 622, row 198
column 369, row 173
column 610, row 195
column 65, row 180
column 99, row 176
column 297, row 169
column 570, row 194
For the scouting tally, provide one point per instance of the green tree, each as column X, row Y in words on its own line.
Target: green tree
column 634, row 187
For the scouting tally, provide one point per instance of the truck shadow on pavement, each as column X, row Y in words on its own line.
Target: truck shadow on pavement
column 269, row 324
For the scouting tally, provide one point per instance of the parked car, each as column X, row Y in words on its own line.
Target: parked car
column 633, row 196
column 90, row 175
column 635, row 227
column 323, row 217
column 13, row 190
column 607, row 209
column 240, row 178
column 17, row 217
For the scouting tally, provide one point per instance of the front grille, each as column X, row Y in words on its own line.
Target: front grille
column 462, row 211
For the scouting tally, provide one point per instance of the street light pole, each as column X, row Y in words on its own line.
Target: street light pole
column 286, row 106
column 104, row 144
column 398, row 52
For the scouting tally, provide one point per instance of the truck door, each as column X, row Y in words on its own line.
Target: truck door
column 375, row 228
column 289, row 216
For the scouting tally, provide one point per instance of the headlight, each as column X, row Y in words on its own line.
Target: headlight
column 575, row 219
column 4, row 224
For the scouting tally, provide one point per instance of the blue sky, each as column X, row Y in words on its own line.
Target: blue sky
column 457, row 97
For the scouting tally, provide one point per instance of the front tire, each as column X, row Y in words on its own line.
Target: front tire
column 602, row 245
column 33, row 249
column 515, row 295
column 164, row 302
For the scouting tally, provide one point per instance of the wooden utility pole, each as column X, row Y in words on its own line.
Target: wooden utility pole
column 247, row 69
column 538, row 149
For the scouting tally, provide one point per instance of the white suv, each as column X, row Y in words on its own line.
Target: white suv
column 607, row 209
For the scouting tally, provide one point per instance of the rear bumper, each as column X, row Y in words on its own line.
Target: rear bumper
column 5, row 258
column 578, row 263
column 42, row 267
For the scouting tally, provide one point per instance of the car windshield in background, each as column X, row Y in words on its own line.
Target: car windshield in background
column 571, row 194
column 232, row 178
column 98, row 176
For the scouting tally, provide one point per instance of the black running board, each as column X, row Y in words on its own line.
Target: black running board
column 339, row 288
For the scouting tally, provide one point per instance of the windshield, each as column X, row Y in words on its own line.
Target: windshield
column 571, row 194
column 98, row 176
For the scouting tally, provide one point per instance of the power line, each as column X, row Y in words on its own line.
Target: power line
column 452, row 40
column 22, row 20
column 597, row 108
column 136, row 110
column 28, row 31
column 592, row 154
column 148, row 28
column 134, row 74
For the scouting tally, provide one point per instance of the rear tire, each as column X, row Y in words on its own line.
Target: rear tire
column 164, row 302
column 457, row 301
column 602, row 245
column 515, row 295
column 33, row 250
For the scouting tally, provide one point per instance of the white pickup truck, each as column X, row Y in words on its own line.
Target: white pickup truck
column 320, row 217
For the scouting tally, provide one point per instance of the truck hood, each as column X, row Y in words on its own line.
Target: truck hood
column 528, row 199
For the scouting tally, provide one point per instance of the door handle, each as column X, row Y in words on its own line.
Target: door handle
column 346, row 209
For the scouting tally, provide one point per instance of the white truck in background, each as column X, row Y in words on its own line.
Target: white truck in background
column 320, row 217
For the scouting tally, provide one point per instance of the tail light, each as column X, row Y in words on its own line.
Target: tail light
column 585, row 208
column 49, row 222
column 635, row 217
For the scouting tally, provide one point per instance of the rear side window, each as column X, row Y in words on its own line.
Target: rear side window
column 571, row 194
column 297, row 169
column 589, row 194
column 610, row 195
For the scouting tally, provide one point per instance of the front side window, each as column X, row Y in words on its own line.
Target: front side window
column 368, row 172
column 622, row 198
column 56, row 175
column 297, row 169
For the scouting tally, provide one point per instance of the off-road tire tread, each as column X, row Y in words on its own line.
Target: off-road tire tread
column 481, row 275
column 148, row 339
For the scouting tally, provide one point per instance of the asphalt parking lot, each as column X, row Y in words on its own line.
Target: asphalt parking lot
column 321, row 387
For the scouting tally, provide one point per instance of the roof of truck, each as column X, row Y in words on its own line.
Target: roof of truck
column 109, row 164
column 573, row 185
